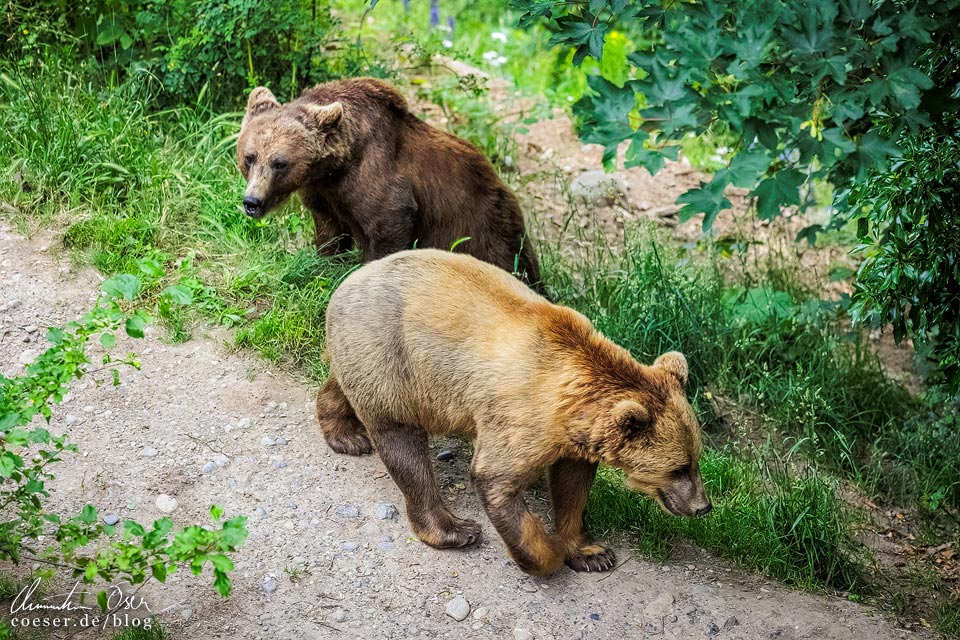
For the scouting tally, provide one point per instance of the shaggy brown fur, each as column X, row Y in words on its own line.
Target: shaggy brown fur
column 429, row 342
column 369, row 169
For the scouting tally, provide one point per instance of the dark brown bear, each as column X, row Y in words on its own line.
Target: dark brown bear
column 370, row 170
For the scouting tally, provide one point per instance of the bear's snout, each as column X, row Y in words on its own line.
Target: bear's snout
column 253, row 207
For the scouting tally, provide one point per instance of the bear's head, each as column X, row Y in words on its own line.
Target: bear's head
column 653, row 435
column 282, row 146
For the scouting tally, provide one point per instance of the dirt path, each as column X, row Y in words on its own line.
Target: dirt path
column 206, row 425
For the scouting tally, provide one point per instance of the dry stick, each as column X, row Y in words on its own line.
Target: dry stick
column 614, row 569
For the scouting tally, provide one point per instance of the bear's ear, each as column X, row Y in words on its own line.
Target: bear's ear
column 675, row 363
column 261, row 99
column 633, row 419
column 324, row 116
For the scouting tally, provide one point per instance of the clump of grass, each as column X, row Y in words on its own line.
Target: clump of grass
column 788, row 524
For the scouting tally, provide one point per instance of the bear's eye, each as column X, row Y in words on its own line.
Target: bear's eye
column 682, row 471
column 279, row 165
column 249, row 159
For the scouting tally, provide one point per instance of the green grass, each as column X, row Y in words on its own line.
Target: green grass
column 785, row 523
column 157, row 193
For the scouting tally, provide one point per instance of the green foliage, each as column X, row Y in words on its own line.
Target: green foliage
column 28, row 451
column 211, row 49
column 818, row 90
column 910, row 241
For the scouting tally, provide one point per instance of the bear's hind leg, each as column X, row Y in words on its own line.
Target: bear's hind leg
column 570, row 482
column 405, row 453
column 341, row 428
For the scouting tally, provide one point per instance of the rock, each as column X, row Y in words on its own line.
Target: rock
column 280, row 441
column 208, row 468
column 148, row 452
column 28, row 356
column 730, row 623
column 689, row 609
column 600, row 188
column 221, row 460
column 267, row 441
column 458, row 608
column 653, row 627
column 671, row 618
column 166, row 503
column 522, row 634
column 111, row 518
column 260, row 513
column 446, row 454
column 185, row 614
column 386, row 546
column 339, row 615
column 243, row 423
column 31, row 328
column 348, row 510
column 481, row 613
column 279, row 464
column 370, row 529
column 70, row 420
column 711, row 629
column 350, row 546
column 386, row 511
column 11, row 305
column 595, row 616
column 660, row 605
column 270, row 585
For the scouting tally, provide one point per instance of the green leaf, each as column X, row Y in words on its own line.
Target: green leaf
column 708, row 199
column 179, row 293
column 781, row 189
column 133, row 528
column 108, row 340
column 159, row 571
column 216, row 512
column 55, row 335
column 90, row 572
column 746, row 167
column 124, row 286
column 134, row 327
column 221, row 562
column 102, row 601
column 222, row 584
column 8, row 463
column 152, row 269
column 88, row 515
column 17, row 438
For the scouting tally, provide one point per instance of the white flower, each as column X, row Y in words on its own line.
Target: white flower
column 447, row 44
column 497, row 35
column 491, row 55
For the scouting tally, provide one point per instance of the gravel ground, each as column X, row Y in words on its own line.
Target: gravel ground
column 328, row 554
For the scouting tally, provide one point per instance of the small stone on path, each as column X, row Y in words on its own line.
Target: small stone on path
column 458, row 608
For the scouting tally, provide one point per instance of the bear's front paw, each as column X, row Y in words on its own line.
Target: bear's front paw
column 351, row 444
column 449, row 532
column 592, row 557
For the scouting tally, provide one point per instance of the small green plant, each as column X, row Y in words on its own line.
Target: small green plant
column 29, row 452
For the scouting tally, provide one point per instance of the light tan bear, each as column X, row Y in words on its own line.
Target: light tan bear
column 427, row 342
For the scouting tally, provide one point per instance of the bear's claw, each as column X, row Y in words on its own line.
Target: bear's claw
column 592, row 557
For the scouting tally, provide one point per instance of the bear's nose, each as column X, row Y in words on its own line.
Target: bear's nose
column 704, row 511
column 252, row 206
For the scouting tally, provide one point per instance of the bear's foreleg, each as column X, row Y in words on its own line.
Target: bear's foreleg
column 341, row 428
column 404, row 451
column 570, row 483
column 530, row 545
